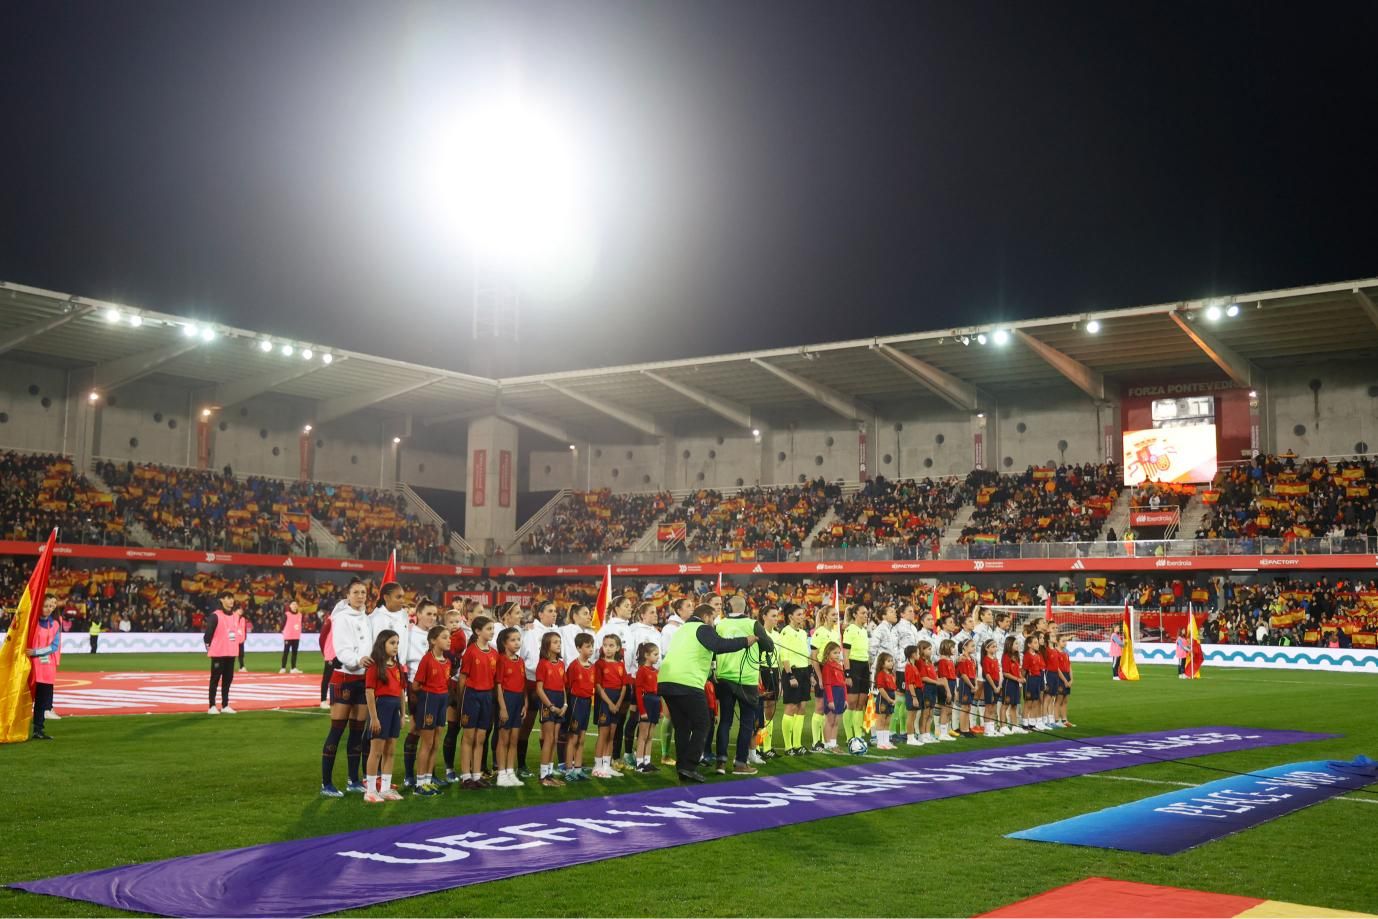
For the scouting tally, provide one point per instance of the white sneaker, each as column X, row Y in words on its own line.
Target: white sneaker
column 1004, row 730
column 243, row 669
column 945, row 736
column 372, row 797
column 1018, row 731
column 324, row 704
column 53, row 716
column 928, row 738
column 228, row 710
column 503, row 780
column 282, row 670
column 294, row 670
column 913, row 741
column 602, row 773
column 212, row 710
column 754, row 759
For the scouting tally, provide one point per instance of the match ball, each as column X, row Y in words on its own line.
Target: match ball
column 857, row 746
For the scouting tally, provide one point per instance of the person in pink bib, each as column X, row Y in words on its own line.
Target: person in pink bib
column 224, row 635
column 291, row 635
column 45, row 653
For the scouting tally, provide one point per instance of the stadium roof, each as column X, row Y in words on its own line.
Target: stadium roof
column 945, row 366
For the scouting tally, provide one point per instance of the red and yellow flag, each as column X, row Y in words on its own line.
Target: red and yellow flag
column 604, row 602
column 16, row 690
column 1194, row 654
column 1129, row 670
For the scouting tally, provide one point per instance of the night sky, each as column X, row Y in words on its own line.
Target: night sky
column 765, row 174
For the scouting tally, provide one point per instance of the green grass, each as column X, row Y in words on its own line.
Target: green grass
column 118, row 789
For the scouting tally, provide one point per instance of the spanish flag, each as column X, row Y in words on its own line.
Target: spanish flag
column 1194, row 655
column 1128, row 669
column 16, row 689
column 604, row 602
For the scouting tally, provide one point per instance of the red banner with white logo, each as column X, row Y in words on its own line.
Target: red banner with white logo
column 1152, row 518
column 504, row 478
column 478, row 490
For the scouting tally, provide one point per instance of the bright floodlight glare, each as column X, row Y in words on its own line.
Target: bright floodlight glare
column 755, row 432
column 308, row 354
column 1253, row 394
column 307, row 429
column 93, row 396
column 286, row 350
column 112, row 315
column 205, row 413
column 572, row 447
column 327, row 358
column 190, row 330
column 1232, row 310
column 1001, row 336
column 265, row 346
column 505, row 179
column 981, row 338
column 1093, row 326
column 396, row 440
column 1213, row 313
column 136, row 320
column 207, row 333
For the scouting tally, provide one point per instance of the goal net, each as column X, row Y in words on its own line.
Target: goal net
column 1079, row 623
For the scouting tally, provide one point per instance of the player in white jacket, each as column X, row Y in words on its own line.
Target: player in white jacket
column 391, row 614
column 353, row 641
column 542, row 625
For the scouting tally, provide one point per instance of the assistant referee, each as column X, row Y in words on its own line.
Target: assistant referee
column 682, row 678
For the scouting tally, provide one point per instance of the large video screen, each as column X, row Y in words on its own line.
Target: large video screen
column 1181, row 455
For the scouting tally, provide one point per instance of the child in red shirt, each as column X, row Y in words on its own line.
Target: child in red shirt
column 550, row 693
column 432, row 684
column 511, row 697
column 1034, row 700
column 579, row 689
column 478, row 673
column 886, row 694
column 1013, row 680
column 383, row 685
column 913, row 694
column 947, row 681
column 834, row 694
column 610, row 682
column 647, row 702
column 966, row 687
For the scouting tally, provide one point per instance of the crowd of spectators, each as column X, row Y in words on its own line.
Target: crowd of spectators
column 1067, row 503
column 1296, row 502
column 763, row 523
column 41, row 491
column 597, row 521
column 908, row 516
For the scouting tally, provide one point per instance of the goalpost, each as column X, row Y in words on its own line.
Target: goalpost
column 1078, row 622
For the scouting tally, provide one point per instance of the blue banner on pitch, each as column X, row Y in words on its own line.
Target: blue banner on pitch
column 1188, row 817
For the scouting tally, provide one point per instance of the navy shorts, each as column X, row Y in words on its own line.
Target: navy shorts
column 350, row 692
column 557, row 702
column 479, row 710
column 1033, row 688
column 991, row 695
column 835, row 703
column 651, row 703
column 1011, row 692
column 514, row 702
column 964, row 695
column 914, row 701
column 603, row 714
column 883, row 707
column 934, row 695
column 389, row 717
column 1066, row 689
column 430, row 709
column 952, row 689
column 578, row 720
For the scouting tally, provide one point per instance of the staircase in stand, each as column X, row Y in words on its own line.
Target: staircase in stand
column 327, row 546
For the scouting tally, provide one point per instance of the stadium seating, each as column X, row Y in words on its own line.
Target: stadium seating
column 597, row 521
column 907, row 515
column 42, row 491
column 756, row 523
column 1296, row 502
column 1042, row 504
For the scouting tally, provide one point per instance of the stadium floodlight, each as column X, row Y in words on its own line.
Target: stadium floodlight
column 327, row 358
column 980, row 414
column 307, row 429
column 755, row 432
column 1232, row 310
column 1001, row 336
column 207, row 333
column 205, row 413
column 265, row 346
column 286, row 350
column 93, row 396
column 136, row 320
column 574, row 448
column 981, row 338
column 112, row 315
column 1253, row 394
column 1213, row 313
column 307, row 354
column 1093, row 326
column 396, row 441
column 190, row 330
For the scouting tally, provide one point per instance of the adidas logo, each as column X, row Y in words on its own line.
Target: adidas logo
column 288, row 563
column 1078, row 565
column 511, row 572
column 758, row 569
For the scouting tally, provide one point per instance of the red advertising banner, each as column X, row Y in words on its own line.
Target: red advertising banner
column 865, row 475
column 522, row 597
column 504, row 478
column 308, row 458
column 478, row 489
column 203, row 444
column 1152, row 518
column 481, row 596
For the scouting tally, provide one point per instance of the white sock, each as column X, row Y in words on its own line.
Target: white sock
column 370, row 782
column 545, row 770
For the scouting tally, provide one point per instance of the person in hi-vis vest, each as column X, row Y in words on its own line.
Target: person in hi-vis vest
column 683, row 675
column 224, row 635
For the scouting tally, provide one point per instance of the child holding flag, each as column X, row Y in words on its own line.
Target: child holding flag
column 45, row 653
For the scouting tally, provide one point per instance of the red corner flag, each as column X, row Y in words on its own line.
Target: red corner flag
column 600, row 608
column 16, row 670
column 389, row 574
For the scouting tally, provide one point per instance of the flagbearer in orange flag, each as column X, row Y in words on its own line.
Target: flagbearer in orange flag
column 1194, row 653
column 1129, row 670
column 29, row 655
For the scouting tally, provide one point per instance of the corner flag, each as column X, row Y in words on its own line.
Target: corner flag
column 1128, row 669
column 16, row 689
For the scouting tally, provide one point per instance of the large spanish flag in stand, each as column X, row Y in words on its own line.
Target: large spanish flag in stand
column 1194, row 654
column 1128, row 669
column 604, row 602
column 16, row 690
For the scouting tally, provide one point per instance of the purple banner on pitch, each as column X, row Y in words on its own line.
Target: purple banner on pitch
column 307, row 877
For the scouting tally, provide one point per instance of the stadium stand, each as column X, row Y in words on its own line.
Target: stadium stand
column 756, row 523
column 597, row 521
column 1066, row 503
column 907, row 515
column 42, row 491
column 1281, row 498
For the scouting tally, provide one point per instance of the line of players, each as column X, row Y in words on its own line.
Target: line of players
column 476, row 685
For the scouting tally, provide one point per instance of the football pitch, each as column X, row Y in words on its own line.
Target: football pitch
column 112, row 790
